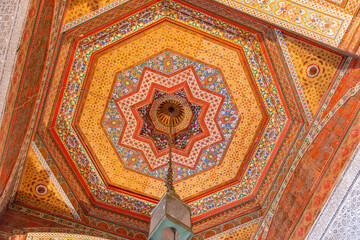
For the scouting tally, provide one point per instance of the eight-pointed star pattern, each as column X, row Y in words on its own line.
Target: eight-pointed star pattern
column 212, row 109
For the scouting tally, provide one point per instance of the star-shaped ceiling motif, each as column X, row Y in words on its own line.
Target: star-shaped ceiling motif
column 203, row 104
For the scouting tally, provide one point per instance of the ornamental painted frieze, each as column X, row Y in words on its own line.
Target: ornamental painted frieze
column 327, row 22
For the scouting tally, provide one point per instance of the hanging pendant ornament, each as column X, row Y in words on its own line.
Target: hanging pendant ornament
column 171, row 218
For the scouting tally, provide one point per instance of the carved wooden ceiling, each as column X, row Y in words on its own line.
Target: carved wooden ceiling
column 264, row 114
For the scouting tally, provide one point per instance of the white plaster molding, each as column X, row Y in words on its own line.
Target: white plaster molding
column 13, row 14
column 340, row 217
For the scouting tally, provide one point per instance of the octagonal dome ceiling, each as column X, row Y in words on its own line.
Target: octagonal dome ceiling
column 263, row 120
column 104, row 123
column 111, row 142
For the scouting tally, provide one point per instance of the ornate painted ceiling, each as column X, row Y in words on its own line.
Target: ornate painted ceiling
column 264, row 112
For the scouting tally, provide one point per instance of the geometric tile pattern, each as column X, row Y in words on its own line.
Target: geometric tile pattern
column 79, row 11
column 85, row 10
column 124, row 105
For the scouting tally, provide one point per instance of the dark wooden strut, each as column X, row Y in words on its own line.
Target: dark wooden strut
column 169, row 177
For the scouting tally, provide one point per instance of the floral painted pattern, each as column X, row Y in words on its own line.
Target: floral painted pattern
column 322, row 24
column 291, row 12
column 261, row 4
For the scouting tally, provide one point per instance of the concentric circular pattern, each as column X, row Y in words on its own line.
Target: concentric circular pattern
column 185, row 132
column 160, row 115
column 41, row 189
column 170, row 113
column 37, row 188
column 313, row 70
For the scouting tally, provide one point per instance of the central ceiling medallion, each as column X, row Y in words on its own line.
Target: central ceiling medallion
column 156, row 120
column 175, row 106
column 170, row 113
